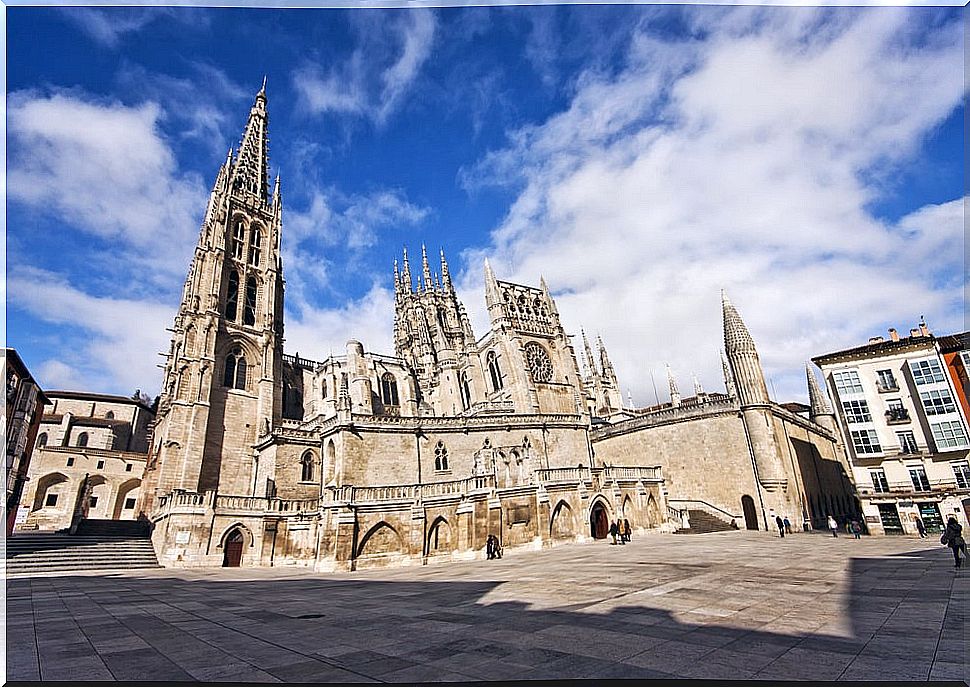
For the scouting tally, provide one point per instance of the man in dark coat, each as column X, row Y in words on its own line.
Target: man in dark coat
column 953, row 537
column 781, row 525
column 920, row 527
column 613, row 530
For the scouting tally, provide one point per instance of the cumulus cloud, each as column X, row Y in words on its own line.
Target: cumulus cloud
column 115, row 341
column 104, row 169
column 746, row 158
column 373, row 81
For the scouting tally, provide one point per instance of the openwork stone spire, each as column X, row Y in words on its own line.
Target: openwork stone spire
column 674, row 391
column 728, row 377
column 743, row 357
column 737, row 338
column 425, row 269
column 251, row 171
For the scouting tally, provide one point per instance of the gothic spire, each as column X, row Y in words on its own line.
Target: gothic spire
column 674, row 391
column 698, row 389
column 588, row 354
column 606, row 367
column 815, row 396
column 425, row 268
column 445, row 275
column 251, row 171
column 737, row 339
column 397, row 280
column 406, row 273
column 492, row 294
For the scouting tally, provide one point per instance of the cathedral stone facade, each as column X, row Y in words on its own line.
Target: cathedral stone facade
column 363, row 459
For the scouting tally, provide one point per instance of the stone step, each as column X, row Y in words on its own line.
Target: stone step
column 59, row 552
column 702, row 522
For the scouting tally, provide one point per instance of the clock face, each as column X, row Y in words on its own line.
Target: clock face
column 538, row 360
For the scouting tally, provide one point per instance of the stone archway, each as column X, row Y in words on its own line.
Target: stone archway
column 562, row 526
column 439, row 537
column 232, row 548
column 51, row 484
column 750, row 513
column 126, row 492
column 599, row 520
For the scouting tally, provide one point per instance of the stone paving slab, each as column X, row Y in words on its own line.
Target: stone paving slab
column 733, row 605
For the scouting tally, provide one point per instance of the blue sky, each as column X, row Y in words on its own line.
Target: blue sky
column 641, row 158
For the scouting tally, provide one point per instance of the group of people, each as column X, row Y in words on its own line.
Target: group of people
column 621, row 529
column 493, row 548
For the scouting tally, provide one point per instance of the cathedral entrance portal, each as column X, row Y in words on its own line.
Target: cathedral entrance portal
column 750, row 513
column 599, row 523
column 232, row 550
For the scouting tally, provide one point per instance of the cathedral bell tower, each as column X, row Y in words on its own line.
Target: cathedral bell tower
column 220, row 389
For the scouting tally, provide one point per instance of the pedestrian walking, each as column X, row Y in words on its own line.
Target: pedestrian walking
column 833, row 526
column 787, row 525
column 953, row 537
column 781, row 525
column 490, row 547
column 619, row 531
column 613, row 530
column 921, row 528
column 856, row 528
column 627, row 530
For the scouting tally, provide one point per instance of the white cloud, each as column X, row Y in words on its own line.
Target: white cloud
column 104, row 169
column 109, row 26
column 115, row 341
column 373, row 81
column 744, row 161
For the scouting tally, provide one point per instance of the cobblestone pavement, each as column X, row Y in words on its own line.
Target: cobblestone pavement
column 727, row 605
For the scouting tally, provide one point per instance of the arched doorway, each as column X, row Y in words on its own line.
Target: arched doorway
column 750, row 513
column 599, row 521
column 232, row 550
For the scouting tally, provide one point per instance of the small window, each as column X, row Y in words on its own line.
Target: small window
column 128, row 467
column 856, row 411
column 238, row 237
column 879, row 482
column 494, row 373
column 42, row 439
column 235, row 372
column 961, row 471
column 93, row 502
column 847, row 382
column 100, row 465
column 255, row 238
column 51, row 500
column 918, row 476
column 249, row 312
column 306, row 467
column 886, row 380
column 440, row 457
column 82, row 439
column 866, row 441
column 926, row 371
column 129, row 503
column 70, row 461
column 109, row 415
column 389, row 389
column 907, row 442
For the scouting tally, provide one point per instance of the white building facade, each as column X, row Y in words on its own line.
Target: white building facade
column 905, row 430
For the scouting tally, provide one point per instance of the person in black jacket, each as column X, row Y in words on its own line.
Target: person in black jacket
column 953, row 537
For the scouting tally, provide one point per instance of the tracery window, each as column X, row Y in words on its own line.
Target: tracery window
column 306, row 467
column 232, row 296
column 238, row 238
column 249, row 313
column 538, row 361
column 255, row 238
column 389, row 390
column 465, row 390
column 235, row 374
column 494, row 372
column 440, row 457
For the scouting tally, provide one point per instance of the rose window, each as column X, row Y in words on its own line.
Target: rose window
column 539, row 364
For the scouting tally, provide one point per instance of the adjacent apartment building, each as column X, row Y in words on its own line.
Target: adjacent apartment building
column 25, row 402
column 902, row 408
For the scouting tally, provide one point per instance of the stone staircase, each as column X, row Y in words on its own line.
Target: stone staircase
column 702, row 522
column 56, row 552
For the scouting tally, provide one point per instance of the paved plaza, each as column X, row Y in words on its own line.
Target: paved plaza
column 728, row 605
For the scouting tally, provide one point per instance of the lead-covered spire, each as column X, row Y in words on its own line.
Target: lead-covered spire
column 250, row 173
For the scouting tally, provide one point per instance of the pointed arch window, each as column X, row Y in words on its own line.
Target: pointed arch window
column 389, row 390
column 323, row 387
column 440, row 457
column 42, row 439
column 249, row 312
column 238, row 239
column 465, row 390
column 255, row 238
column 109, row 415
column 491, row 361
column 306, row 467
column 232, row 296
column 235, row 374
column 82, row 439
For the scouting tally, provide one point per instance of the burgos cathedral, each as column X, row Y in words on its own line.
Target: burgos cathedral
column 366, row 459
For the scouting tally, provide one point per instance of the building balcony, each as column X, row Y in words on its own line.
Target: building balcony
column 908, row 489
column 887, row 388
column 897, row 416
